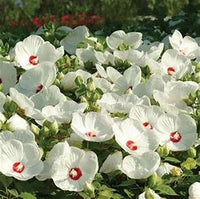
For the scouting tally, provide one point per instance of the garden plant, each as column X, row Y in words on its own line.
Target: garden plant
column 84, row 115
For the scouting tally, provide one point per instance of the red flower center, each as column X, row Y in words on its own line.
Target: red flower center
column 1, row 81
column 39, row 88
column 175, row 137
column 131, row 145
column 171, row 71
column 90, row 134
column 75, row 173
column 18, row 167
column 33, row 60
column 148, row 125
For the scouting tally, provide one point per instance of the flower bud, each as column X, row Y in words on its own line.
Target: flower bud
column 176, row 171
column 192, row 152
column 149, row 194
column 54, row 128
column 189, row 164
column 79, row 80
column 35, row 129
column 1, row 125
column 57, row 82
column 163, row 151
column 9, row 105
column 198, row 94
column 154, row 180
column 90, row 84
column 189, row 102
column 90, row 190
column 1, row 87
column 45, row 131
column 95, row 97
column 192, row 96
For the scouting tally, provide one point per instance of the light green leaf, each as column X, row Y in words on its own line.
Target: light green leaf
column 165, row 189
column 26, row 195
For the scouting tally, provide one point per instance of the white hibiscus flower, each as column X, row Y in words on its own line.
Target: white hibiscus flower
column 140, row 167
column 68, row 81
column 152, row 50
column 114, row 103
column 2, row 101
column 112, row 162
column 59, row 149
column 186, row 46
column 69, row 167
column 146, row 115
column 194, row 190
column 74, row 170
column 33, row 50
column 119, row 37
column 171, row 99
column 34, row 80
column 8, row 76
column 93, row 126
column 111, row 74
column 130, row 79
column 86, row 55
column 132, row 137
column 62, row 112
column 155, row 82
column 177, row 132
column 134, row 57
column 20, row 155
column 17, row 123
column 174, row 64
column 33, row 106
column 74, row 37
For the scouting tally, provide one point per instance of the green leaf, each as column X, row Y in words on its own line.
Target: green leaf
column 172, row 159
column 107, row 194
column 6, row 181
column 189, row 164
column 84, row 195
column 165, row 189
column 13, row 192
column 128, row 193
column 127, row 183
column 26, row 195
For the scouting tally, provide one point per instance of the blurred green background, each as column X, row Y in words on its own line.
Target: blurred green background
column 159, row 17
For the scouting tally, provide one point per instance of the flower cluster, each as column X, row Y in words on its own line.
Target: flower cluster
column 68, row 20
column 93, row 107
